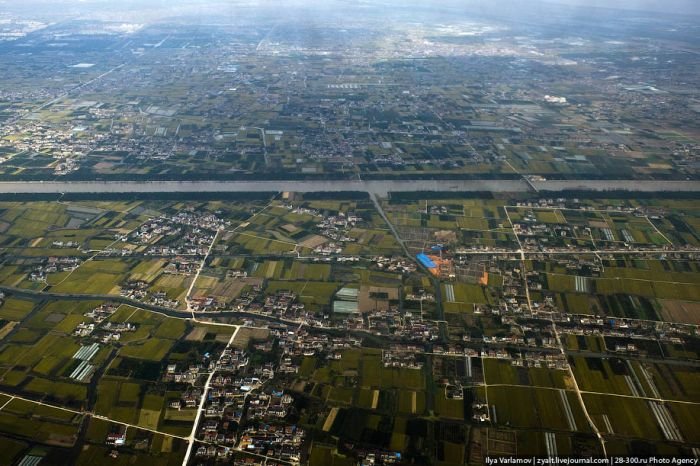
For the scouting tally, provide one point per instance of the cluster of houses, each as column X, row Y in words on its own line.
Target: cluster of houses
column 194, row 234
column 274, row 441
column 107, row 333
column 135, row 289
column 268, row 407
column 67, row 244
column 191, row 224
column 140, row 291
column 54, row 265
column 454, row 391
column 536, row 235
column 328, row 249
column 245, row 301
column 402, row 357
column 294, row 345
column 337, row 227
column 251, row 461
column 419, row 330
column 182, row 374
column 180, row 265
column 627, row 329
column 102, row 312
column 303, row 210
column 206, row 304
column 375, row 457
column 61, row 142
column 420, row 295
column 521, row 358
column 239, row 415
column 395, row 264
column 304, row 343
column 480, row 412
column 283, row 304
column 160, row 298
column 392, row 322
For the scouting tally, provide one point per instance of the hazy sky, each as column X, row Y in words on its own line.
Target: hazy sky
column 668, row 6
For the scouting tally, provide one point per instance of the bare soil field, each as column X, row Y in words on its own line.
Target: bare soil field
column 685, row 312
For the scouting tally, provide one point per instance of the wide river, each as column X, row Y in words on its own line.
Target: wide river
column 380, row 188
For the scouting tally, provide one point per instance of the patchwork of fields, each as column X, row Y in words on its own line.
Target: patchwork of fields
column 548, row 326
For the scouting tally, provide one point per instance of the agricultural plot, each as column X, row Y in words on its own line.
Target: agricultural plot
column 671, row 382
column 625, row 287
column 147, row 271
column 224, row 290
column 316, row 253
column 551, row 444
column 174, row 286
column 316, row 295
column 41, row 424
column 328, row 455
column 499, row 372
column 455, row 223
column 466, row 294
column 11, row 449
column 538, row 408
column 141, row 446
column 374, row 375
column 684, row 312
column 447, row 408
column 625, row 417
column 93, row 277
column 15, row 309
column 152, row 350
column 604, row 375
column 47, row 356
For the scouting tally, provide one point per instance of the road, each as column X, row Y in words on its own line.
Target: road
column 559, row 341
column 377, row 187
column 589, row 392
column 433, row 279
column 191, row 440
column 188, row 297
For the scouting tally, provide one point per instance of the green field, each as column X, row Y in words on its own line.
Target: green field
column 153, row 349
column 628, row 417
column 15, row 309
column 538, row 408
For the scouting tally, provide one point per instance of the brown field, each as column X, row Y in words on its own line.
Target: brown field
column 7, row 329
column 313, row 241
column 684, row 312
column 101, row 166
column 368, row 303
column 330, row 420
column 232, row 288
column 197, row 334
column 246, row 334
column 61, row 440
